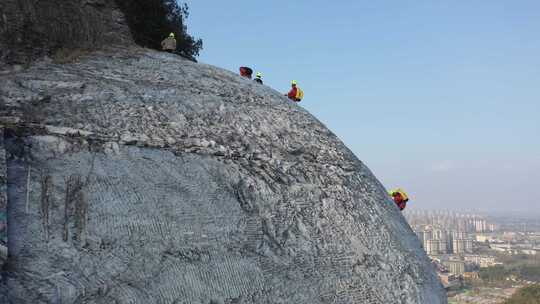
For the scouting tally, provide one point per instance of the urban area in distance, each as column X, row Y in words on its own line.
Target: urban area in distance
column 480, row 258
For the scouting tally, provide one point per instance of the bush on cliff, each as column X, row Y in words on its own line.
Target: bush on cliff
column 151, row 21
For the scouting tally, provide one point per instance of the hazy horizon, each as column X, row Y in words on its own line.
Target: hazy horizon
column 440, row 98
column 480, row 212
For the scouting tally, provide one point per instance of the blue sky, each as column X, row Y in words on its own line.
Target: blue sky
column 439, row 97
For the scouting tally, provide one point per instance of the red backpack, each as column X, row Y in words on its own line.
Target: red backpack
column 246, row 72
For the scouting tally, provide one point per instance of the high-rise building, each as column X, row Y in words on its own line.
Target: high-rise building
column 435, row 247
column 480, row 260
column 455, row 267
column 461, row 246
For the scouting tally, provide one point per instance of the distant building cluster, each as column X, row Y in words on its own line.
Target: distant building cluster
column 449, row 239
column 449, row 220
column 446, row 232
column 438, row 241
column 460, row 244
column 513, row 249
column 480, row 260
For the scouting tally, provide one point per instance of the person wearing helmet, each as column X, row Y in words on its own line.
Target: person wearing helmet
column 169, row 44
column 400, row 198
column 295, row 94
column 258, row 78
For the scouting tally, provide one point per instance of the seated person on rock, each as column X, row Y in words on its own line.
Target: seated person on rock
column 169, row 44
column 295, row 94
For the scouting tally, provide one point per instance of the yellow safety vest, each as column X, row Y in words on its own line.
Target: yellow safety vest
column 400, row 191
column 299, row 94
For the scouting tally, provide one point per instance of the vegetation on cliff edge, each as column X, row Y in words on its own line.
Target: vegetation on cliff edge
column 151, row 21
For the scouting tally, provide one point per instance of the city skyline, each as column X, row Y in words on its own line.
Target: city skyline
column 481, row 211
column 460, row 245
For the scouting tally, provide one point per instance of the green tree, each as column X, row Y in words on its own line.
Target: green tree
column 494, row 274
column 530, row 273
column 151, row 21
column 526, row 295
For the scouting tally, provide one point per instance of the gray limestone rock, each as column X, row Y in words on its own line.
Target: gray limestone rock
column 30, row 28
column 139, row 177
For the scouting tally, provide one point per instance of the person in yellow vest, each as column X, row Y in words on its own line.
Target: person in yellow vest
column 169, row 44
column 258, row 78
column 400, row 198
column 295, row 94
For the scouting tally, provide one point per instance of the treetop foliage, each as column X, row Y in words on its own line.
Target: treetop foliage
column 526, row 295
column 151, row 21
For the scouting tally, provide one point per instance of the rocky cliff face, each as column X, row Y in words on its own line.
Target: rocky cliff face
column 140, row 177
column 29, row 28
column 132, row 176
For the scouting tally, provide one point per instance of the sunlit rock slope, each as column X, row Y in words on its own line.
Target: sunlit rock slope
column 139, row 177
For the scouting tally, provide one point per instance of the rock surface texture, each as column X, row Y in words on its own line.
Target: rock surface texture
column 30, row 28
column 140, row 177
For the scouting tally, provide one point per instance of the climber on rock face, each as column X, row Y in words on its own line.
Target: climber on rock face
column 295, row 94
column 258, row 78
column 169, row 44
column 400, row 198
